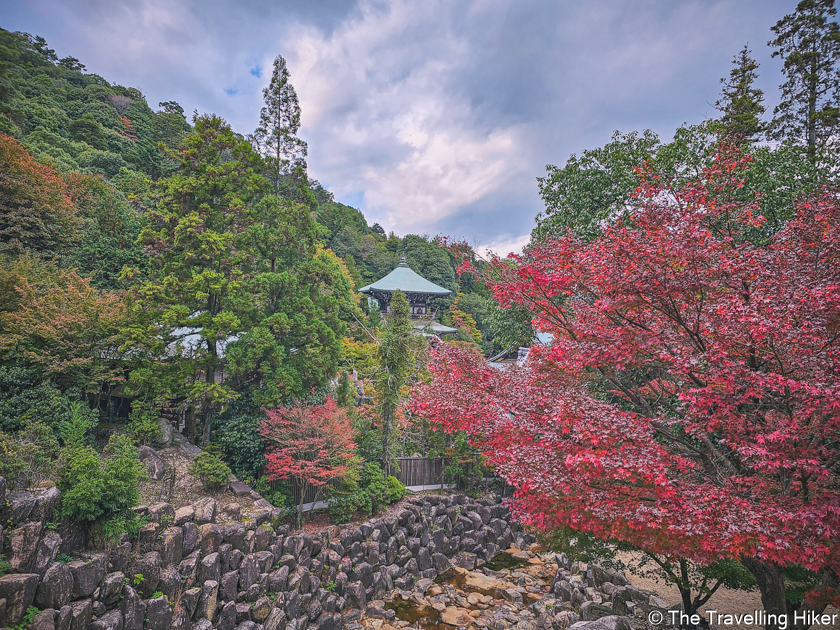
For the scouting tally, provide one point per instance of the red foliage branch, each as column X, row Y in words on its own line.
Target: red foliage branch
column 690, row 401
column 311, row 445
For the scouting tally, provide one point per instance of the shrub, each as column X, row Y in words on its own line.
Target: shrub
column 82, row 483
column 94, row 489
column 238, row 434
column 212, row 471
column 368, row 493
column 123, row 473
column 144, row 424
column 28, row 458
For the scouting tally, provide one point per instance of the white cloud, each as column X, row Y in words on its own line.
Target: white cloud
column 363, row 93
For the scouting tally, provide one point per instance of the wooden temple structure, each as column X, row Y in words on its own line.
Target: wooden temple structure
column 417, row 290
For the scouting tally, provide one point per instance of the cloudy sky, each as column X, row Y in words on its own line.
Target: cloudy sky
column 431, row 116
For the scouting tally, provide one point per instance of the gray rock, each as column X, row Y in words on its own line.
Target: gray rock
column 56, row 587
column 158, row 614
column 209, row 568
column 45, row 503
column 190, row 537
column 162, row 513
column 207, row 602
column 613, row 622
column 228, row 586
column 227, row 617
column 23, row 546
column 180, row 619
column 183, row 515
column 239, row 489
column 209, row 538
column 590, row 611
column 276, row 620
column 441, row 563
column 48, row 549
column 204, row 624
column 147, row 537
column 81, row 613
column 19, row 592
column 111, row 620
column 261, row 609
column 20, row 506
column 164, row 438
column 247, row 625
column 189, row 600
column 205, row 511
column 44, row 620
column 171, row 546
column 157, row 467
column 133, row 609
column 148, row 566
column 170, row 583
column 63, row 618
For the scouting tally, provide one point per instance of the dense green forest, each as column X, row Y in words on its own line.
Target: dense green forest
column 153, row 265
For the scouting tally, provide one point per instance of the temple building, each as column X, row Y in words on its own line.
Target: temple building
column 417, row 290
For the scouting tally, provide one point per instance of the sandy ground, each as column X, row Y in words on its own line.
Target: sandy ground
column 725, row 601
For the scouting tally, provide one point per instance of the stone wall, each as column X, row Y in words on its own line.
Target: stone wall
column 186, row 571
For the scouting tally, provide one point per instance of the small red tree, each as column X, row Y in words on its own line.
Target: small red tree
column 690, row 401
column 310, row 445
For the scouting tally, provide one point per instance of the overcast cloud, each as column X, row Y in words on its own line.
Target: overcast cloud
column 431, row 116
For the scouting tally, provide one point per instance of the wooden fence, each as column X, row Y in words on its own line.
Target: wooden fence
column 420, row 471
column 414, row 472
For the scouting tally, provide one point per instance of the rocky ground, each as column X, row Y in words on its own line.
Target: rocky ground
column 538, row 591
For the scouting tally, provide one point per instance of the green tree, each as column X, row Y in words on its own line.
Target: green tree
column 394, row 352
column 741, row 103
column 202, row 260
column 809, row 44
column 276, row 137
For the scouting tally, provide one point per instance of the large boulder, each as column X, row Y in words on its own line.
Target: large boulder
column 23, row 546
column 205, row 511
column 172, row 546
column 20, row 506
column 111, row 620
column 48, row 549
column 207, row 602
column 18, row 590
column 80, row 614
column 133, row 609
column 111, row 588
column 158, row 614
column 157, row 467
column 45, row 503
column 87, row 573
column 56, row 587
column 164, row 439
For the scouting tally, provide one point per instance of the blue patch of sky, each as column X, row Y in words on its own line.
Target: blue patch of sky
column 256, row 71
column 231, row 91
column 354, row 199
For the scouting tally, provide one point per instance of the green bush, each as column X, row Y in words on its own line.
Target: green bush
column 144, row 424
column 82, row 483
column 94, row 489
column 372, row 492
column 28, row 458
column 212, row 471
column 238, row 434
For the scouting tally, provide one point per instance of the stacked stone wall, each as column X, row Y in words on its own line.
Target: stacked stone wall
column 185, row 570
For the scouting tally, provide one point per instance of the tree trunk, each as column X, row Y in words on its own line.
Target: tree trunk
column 771, row 584
column 812, row 111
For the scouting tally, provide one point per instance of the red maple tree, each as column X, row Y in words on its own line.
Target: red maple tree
column 310, row 445
column 689, row 403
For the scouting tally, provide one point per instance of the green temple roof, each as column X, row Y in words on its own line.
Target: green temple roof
column 404, row 279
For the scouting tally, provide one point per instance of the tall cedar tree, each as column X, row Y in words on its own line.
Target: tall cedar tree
column 394, row 354
column 741, row 103
column 809, row 44
column 276, row 137
column 198, row 244
column 688, row 404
